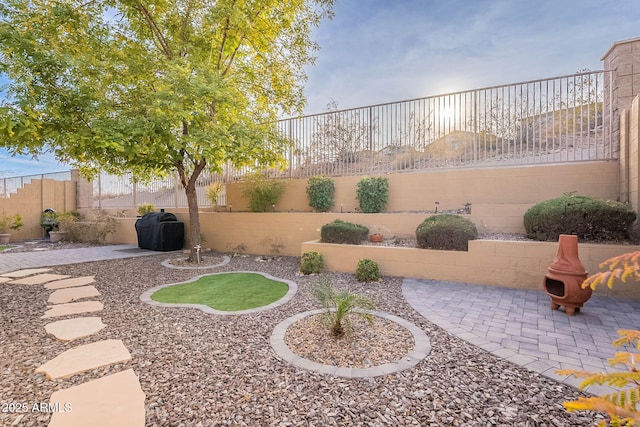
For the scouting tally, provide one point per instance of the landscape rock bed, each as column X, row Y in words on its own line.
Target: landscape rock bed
column 203, row 370
column 368, row 345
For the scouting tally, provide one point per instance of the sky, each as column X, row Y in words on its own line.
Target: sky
column 378, row 51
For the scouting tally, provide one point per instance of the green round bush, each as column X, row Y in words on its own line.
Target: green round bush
column 373, row 194
column 588, row 218
column 367, row 271
column 320, row 191
column 340, row 231
column 311, row 263
column 451, row 232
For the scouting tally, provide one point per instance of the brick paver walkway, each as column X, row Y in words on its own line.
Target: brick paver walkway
column 519, row 325
column 20, row 260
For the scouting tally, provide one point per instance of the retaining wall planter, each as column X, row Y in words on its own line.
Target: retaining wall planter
column 515, row 264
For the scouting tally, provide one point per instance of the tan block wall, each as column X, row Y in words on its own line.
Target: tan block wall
column 32, row 199
column 633, row 150
column 452, row 188
column 489, row 262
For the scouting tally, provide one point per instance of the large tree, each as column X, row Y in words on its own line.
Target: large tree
column 154, row 86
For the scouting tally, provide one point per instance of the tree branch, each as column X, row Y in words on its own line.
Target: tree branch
column 158, row 37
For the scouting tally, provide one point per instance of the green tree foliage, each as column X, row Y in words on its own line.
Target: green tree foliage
column 320, row 191
column 623, row 407
column 154, row 87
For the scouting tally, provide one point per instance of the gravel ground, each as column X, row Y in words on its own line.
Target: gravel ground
column 199, row 369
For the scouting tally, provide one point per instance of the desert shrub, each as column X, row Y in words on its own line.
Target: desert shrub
column 263, row 192
column 373, row 194
column 320, row 192
column 586, row 217
column 340, row 305
column 311, row 263
column 95, row 230
column 10, row 222
column 213, row 191
column 622, row 406
column 340, row 231
column 367, row 271
column 446, row 231
column 145, row 208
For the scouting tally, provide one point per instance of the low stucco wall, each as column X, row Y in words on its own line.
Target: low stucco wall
column 518, row 264
column 225, row 230
column 452, row 188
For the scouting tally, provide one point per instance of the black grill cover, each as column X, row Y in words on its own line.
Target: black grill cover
column 160, row 231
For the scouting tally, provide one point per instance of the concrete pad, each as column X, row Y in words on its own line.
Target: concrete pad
column 73, row 308
column 24, row 273
column 70, row 329
column 84, row 358
column 39, row 279
column 113, row 400
column 68, row 283
column 62, row 296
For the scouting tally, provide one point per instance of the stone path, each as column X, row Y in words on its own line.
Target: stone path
column 113, row 400
column 519, row 325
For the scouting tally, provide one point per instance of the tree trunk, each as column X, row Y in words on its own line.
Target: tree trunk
column 192, row 202
column 194, row 220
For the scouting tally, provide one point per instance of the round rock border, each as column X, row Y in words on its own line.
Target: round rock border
column 421, row 348
column 293, row 288
column 167, row 263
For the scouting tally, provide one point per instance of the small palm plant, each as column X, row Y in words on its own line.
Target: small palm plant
column 340, row 305
column 623, row 407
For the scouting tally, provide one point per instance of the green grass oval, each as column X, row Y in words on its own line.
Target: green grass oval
column 225, row 292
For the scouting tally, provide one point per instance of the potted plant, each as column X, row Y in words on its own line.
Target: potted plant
column 49, row 221
column 9, row 222
column 376, row 237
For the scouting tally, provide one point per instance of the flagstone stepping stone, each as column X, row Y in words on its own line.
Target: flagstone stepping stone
column 26, row 272
column 70, row 329
column 73, row 308
column 62, row 296
column 68, row 283
column 84, row 358
column 113, row 400
column 39, row 279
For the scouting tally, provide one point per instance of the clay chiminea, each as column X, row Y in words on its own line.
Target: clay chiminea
column 563, row 282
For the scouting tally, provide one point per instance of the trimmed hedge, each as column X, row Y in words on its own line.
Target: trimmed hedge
column 311, row 263
column 373, row 194
column 445, row 231
column 367, row 270
column 588, row 218
column 320, row 191
column 340, row 231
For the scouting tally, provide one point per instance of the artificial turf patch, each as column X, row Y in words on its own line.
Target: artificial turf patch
column 225, row 292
